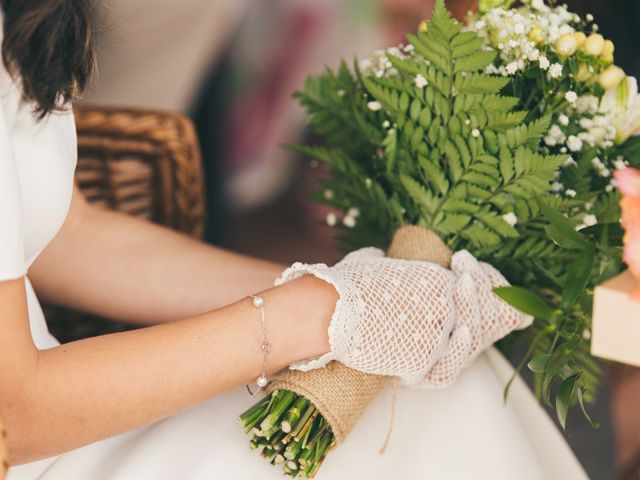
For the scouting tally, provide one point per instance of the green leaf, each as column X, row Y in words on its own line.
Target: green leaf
column 538, row 364
column 580, row 394
column 564, row 398
column 562, row 230
column 526, row 302
column 609, row 234
column 577, row 278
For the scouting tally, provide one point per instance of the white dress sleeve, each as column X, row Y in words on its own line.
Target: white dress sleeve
column 12, row 258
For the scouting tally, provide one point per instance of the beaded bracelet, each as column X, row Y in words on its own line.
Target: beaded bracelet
column 262, row 381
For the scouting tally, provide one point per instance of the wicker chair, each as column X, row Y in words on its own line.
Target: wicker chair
column 145, row 164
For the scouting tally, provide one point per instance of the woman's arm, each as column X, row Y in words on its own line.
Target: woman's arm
column 65, row 397
column 130, row 269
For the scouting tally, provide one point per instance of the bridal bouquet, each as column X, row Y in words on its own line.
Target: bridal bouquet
column 500, row 136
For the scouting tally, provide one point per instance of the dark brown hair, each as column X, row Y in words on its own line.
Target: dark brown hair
column 48, row 48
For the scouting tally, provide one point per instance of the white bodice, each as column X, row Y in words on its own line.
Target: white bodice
column 37, row 161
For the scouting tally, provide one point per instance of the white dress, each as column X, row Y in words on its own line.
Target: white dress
column 463, row 432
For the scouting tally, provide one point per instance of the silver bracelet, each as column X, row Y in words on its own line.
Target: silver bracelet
column 262, row 381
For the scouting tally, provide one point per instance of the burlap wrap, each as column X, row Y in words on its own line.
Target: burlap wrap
column 339, row 393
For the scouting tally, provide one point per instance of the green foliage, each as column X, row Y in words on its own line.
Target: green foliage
column 447, row 151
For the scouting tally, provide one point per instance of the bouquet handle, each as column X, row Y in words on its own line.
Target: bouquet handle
column 341, row 394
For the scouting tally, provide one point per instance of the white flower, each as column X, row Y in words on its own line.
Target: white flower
column 621, row 106
column 569, row 162
column 512, row 68
column 555, row 71
column 563, row 120
column 331, row 219
column 420, row 81
column 556, row 132
column 571, row 97
column 341, row 93
column 365, row 65
column 328, row 194
column 574, row 143
column 475, row 133
column 544, row 62
column 374, row 106
column 534, row 55
column 349, row 221
column 353, row 212
column 557, row 187
column 587, row 104
column 510, row 218
column 589, row 220
column 570, row 193
column 619, row 163
column 586, row 123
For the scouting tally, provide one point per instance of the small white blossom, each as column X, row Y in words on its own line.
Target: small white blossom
column 574, row 143
column 570, row 193
column 374, row 106
column 349, row 221
column 510, row 218
column 555, row 71
column 544, row 62
column 512, row 68
column 341, row 93
column 571, row 97
column 332, row 219
column 420, row 81
column 353, row 212
column 589, row 17
column 328, row 194
column 563, row 120
column 589, row 220
column 619, row 163
column 534, row 55
column 475, row 133
column 386, row 124
column 557, row 187
column 569, row 162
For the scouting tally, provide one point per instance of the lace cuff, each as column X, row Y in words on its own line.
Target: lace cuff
column 340, row 317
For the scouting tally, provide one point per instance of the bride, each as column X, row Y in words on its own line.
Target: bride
column 161, row 402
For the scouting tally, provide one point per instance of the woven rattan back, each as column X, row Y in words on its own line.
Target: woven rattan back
column 142, row 163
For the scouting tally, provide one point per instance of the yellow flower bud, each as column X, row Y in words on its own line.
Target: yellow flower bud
column 584, row 73
column 607, row 51
column 594, row 44
column 536, row 36
column 611, row 77
column 580, row 38
column 566, row 45
column 423, row 26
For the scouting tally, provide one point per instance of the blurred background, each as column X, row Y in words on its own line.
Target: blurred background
column 232, row 66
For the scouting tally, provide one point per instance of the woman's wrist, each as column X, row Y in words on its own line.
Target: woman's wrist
column 298, row 315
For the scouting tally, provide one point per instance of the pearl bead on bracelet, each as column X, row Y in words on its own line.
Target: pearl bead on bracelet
column 262, row 381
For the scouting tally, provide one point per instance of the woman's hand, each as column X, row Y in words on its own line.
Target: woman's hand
column 396, row 317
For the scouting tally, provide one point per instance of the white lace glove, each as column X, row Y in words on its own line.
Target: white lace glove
column 411, row 319
column 482, row 318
